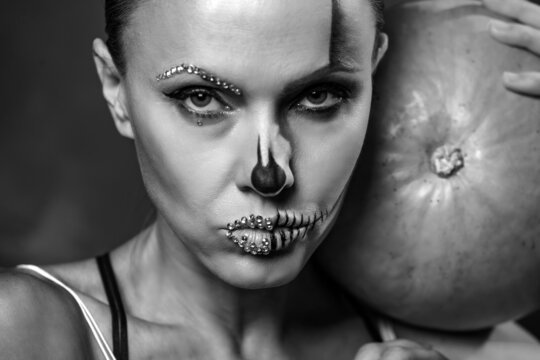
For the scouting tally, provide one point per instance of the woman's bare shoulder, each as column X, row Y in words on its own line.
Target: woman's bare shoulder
column 38, row 319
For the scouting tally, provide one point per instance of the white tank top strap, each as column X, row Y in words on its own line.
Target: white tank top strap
column 385, row 328
column 96, row 332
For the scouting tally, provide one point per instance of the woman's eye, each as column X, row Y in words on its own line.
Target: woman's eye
column 320, row 100
column 317, row 97
column 201, row 102
column 200, row 99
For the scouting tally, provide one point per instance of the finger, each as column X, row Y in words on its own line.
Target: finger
column 370, row 351
column 526, row 82
column 400, row 353
column 521, row 10
column 516, row 35
column 409, row 344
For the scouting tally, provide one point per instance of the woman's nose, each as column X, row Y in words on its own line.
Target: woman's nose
column 267, row 161
column 268, row 177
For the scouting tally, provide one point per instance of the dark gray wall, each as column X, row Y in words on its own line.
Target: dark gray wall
column 69, row 185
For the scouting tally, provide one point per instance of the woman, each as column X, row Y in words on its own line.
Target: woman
column 248, row 118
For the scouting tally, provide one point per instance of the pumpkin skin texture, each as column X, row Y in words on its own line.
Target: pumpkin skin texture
column 441, row 224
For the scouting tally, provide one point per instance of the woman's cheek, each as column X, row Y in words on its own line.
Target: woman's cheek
column 174, row 164
column 326, row 157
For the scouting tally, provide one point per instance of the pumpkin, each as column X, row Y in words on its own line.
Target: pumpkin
column 441, row 224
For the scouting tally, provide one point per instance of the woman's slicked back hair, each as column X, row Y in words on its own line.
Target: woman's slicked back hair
column 118, row 13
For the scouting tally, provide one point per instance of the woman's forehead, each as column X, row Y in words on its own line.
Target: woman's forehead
column 245, row 36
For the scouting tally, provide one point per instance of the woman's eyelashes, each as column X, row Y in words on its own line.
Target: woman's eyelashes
column 201, row 102
column 321, row 100
column 208, row 103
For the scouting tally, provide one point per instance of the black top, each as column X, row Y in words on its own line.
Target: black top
column 118, row 314
column 368, row 315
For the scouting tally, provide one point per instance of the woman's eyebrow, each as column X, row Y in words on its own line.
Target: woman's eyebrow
column 326, row 70
column 191, row 69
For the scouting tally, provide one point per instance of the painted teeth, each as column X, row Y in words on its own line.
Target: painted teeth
column 277, row 241
column 303, row 232
column 294, row 234
column 286, row 238
column 290, row 220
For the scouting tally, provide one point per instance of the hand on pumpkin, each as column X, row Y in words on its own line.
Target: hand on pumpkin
column 397, row 350
column 525, row 34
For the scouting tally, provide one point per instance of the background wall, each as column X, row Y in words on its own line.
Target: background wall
column 69, row 184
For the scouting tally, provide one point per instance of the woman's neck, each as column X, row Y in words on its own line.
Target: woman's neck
column 166, row 285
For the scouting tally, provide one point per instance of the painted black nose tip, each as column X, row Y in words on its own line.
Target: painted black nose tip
column 268, row 179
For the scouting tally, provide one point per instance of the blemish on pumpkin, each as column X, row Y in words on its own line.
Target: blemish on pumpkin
column 446, row 161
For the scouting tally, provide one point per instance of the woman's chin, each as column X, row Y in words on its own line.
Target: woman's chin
column 248, row 271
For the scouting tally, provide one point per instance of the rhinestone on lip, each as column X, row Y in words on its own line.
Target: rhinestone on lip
column 250, row 247
column 192, row 69
column 243, row 241
column 269, row 224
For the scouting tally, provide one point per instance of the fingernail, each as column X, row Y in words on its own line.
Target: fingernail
column 510, row 77
column 498, row 26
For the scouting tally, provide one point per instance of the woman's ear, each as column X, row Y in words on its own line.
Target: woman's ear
column 382, row 43
column 113, row 88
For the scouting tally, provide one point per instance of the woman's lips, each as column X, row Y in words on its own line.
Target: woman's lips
column 258, row 235
column 252, row 222
column 255, row 242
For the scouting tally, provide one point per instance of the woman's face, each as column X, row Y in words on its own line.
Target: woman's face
column 279, row 144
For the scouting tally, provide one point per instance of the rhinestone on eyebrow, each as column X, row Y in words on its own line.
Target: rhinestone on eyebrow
column 192, row 69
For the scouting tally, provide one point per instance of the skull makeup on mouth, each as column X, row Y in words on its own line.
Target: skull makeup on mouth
column 262, row 236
